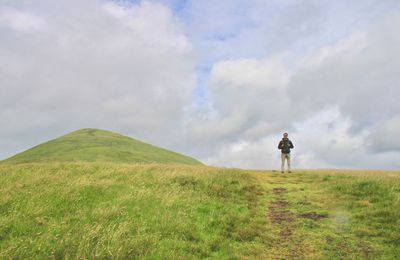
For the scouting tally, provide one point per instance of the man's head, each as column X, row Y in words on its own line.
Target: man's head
column 285, row 135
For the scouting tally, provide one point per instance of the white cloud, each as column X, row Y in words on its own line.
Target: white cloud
column 384, row 135
column 330, row 100
column 325, row 138
column 353, row 74
column 163, row 29
column 21, row 21
column 325, row 71
column 242, row 92
column 257, row 74
column 321, row 141
column 98, row 64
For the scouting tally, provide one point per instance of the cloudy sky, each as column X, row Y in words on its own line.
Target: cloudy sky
column 217, row 80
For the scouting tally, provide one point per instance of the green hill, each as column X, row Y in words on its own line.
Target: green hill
column 93, row 145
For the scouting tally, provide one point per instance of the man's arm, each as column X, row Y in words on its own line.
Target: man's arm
column 291, row 145
column 280, row 145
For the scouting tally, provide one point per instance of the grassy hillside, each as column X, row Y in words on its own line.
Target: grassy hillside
column 119, row 211
column 92, row 145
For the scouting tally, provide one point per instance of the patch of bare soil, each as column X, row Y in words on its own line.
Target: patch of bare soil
column 278, row 212
column 281, row 216
column 312, row 215
column 278, row 217
column 279, row 190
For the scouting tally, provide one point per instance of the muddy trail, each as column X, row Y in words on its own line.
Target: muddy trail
column 282, row 218
column 326, row 215
column 278, row 209
column 289, row 242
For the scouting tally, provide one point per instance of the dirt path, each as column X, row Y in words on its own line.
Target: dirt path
column 280, row 215
column 326, row 215
column 285, row 221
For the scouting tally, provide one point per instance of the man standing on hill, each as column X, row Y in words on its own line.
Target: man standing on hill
column 285, row 145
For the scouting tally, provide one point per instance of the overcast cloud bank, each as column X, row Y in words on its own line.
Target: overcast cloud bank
column 328, row 77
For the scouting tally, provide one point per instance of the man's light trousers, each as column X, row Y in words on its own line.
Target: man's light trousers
column 285, row 156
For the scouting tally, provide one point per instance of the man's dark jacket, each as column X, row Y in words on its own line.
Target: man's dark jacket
column 285, row 145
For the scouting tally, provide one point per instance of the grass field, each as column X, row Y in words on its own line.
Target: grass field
column 110, row 210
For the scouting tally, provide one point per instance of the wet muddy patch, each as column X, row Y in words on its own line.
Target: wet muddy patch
column 280, row 216
column 284, row 220
column 312, row 215
column 277, row 210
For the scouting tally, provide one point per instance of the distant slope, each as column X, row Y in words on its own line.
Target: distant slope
column 93, row 145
